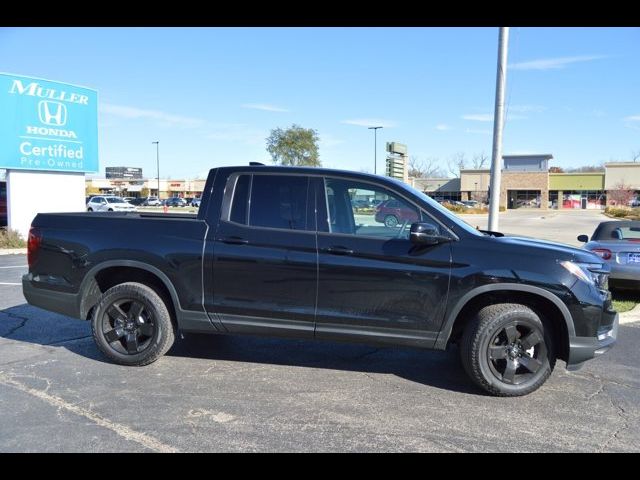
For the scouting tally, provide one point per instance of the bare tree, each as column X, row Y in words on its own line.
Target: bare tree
column 586, row 169
column 428, row 168
column 621, row 195
column 456, row 163
column 479, row 160
column 635, row 155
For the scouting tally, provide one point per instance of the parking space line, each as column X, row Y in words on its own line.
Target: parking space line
column 122, row 430
column 16, row 266
column 14, row 284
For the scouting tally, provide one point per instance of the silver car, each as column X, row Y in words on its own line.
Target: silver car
column 618, row 244
column 106, row 203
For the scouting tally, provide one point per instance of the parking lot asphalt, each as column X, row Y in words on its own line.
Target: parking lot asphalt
column 217, row 393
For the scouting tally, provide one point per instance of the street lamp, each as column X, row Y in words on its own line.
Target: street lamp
column 158, row 163
column 375, row 146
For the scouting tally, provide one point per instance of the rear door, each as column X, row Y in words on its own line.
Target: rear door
column 265, row 255
column 374, row 284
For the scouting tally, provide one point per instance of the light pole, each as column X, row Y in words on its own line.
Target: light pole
column 375, row 148
column 158, row 164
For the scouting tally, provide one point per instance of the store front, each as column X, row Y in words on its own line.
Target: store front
column 523, row 199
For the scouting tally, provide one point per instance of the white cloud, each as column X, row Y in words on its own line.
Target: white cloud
column 236, row 132
column 163, row 118
column 553, row 63
column 633, row 118
column 483, row 132
column 442, row 127
column 488, row 117
column 265, row 106
column 526, row 108
column 328, row 141
column 370, row 122
column 479, row 117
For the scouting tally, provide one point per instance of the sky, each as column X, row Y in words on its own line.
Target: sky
column 211, row 96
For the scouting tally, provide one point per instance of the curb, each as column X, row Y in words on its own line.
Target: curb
column 13, row 251
column 632, row 316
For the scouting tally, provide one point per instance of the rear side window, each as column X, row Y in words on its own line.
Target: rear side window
column 279, row 202
column 239, row 207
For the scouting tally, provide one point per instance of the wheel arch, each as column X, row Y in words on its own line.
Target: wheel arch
column 107, row 274
column 543, row 302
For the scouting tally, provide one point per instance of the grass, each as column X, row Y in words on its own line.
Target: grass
column 11, row 239
column 623, row 301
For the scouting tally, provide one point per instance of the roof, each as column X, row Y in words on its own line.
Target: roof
column 546, row 156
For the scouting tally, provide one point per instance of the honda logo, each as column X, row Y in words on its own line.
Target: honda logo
column 52, row 113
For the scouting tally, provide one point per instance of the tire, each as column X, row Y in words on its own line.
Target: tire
column 111, row 209
column 494, row 350
column 89, row 209
column 131, row 325
column 390, row 221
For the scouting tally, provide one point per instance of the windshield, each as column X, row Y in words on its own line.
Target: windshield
column 115, row 200
column 444, row 211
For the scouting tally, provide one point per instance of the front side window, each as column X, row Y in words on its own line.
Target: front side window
column 364, row 209
column 276, row 201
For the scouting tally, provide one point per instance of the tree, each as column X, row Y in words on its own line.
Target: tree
column 479, row 160
column 144, row 192
column 621, row 195
column 294, row 146
column 456, row 163
column 428, row 168
column 586, row 169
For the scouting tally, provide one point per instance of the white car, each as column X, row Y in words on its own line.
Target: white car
column 109, row 204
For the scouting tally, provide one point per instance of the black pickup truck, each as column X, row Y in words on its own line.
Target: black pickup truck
column 284, row 251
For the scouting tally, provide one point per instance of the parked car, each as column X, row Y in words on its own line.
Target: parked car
column 109, row 204
column 174, row 202
column 284, row 256
column 152, row 202
column 618, row 244
column 196, row 202
column 138, row 202
column 128, row 199
column 470, row 203
column 394, row 212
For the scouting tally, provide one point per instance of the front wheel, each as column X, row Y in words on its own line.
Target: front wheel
column 390, row 221
column 131, row 325
column 89, row 209
column 507, row 350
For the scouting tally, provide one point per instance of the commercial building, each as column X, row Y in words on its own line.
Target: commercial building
column 527, row 183
column 136, row 188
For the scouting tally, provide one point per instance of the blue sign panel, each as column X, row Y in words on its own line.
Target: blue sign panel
column 47, row 125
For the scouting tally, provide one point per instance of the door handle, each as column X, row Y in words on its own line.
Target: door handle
column 233, row 240
column 336, row 250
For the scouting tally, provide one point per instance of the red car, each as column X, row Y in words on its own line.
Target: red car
column 393, row 212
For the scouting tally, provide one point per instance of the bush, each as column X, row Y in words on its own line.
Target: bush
column 11, row 239
column 623, row 212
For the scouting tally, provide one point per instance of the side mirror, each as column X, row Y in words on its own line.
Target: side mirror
column 583, row 238
column 423, row 233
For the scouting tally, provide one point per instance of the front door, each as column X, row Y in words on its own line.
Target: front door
column 374, row 284
column 265, row 257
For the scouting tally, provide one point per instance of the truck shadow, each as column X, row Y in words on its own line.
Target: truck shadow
column 433, row 368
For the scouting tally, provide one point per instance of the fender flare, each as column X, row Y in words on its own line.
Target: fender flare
column 447, row 327
column 89, row 287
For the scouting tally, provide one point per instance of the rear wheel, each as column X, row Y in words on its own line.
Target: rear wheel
column 131, row 325
column 390, row 221
column 89, row 209
column 507, row 351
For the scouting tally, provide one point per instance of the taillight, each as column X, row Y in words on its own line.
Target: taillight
column 603, row 253
column 33, row 246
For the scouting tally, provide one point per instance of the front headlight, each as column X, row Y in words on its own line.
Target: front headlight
column 590, row 273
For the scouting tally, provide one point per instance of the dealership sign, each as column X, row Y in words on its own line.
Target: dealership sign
column 47, row 125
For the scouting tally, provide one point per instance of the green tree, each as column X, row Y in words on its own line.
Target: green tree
column 295, row 146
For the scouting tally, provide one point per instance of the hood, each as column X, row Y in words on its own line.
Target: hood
column 560, row 250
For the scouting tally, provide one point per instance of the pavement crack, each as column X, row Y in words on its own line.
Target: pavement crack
column 23, row 321
column 67, row 340
column 625, row 424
